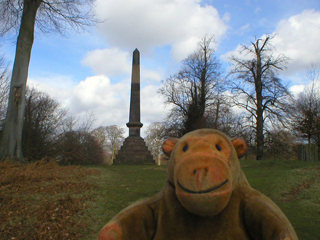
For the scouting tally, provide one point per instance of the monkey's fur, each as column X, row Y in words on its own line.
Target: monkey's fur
column 206, row 196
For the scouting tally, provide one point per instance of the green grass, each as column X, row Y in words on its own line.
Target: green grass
column 43, row 200
column 121, row 186
column 294, row 186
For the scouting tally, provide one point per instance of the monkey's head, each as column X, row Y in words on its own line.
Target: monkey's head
column 204, row 168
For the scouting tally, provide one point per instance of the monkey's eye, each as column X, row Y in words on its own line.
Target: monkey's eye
column 218, row 147
column 185, row 148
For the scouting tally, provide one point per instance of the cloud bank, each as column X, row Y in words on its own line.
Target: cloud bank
column 107, row 101
column 147, row 24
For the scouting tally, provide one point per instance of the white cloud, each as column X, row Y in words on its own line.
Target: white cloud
column 182, row 49
column 315, row 85
column 110, row 62
column 257, row 10
column 147, row 24
column 296, row 89
column 235, row 53
column 150, row 76
column 56, row 82
column 116, row 63
column 153, row 108
column 245, row 28
column 226, row 17
column 298, row 38
column 58, row 87
column 97, row 90
column 107, row 101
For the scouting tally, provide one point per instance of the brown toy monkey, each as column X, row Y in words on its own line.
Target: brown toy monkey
column 206, row 196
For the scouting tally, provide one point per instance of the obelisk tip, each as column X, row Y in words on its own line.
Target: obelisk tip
column 136, row 57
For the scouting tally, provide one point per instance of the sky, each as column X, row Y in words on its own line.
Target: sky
column 90, row 72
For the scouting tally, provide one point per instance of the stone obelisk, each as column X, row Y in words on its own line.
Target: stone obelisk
column 134, row 149
column 134, row 123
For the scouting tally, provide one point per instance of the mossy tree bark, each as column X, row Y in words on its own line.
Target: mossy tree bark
column 12, row 132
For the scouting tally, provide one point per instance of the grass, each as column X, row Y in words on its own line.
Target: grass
column 295, row 187
column 121, row 186
column 47, row 201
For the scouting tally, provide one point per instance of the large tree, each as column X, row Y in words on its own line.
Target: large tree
column 306, row 110
column 194, row 87
column 257, row 87
column 25, row 15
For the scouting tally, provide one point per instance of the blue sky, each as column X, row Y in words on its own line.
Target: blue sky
column 90, row 72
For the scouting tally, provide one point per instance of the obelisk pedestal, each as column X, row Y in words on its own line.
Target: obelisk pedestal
column 134, row 149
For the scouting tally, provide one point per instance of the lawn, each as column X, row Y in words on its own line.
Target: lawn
column 47, row 201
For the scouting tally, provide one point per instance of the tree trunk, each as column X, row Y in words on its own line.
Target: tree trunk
column 10, row 146
column 260, row 136
column 259, row 123
column 216, row 119
column 259, row 110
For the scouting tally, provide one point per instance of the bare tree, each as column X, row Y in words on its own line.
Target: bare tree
column 93, row 152
column 79, row 148
column 256, row 86
column 155, row 135
column 307, row 113
column 79, row 144
column 44, row 119
column 82, row 123
column 306, row 110
column 194, row 88
column 51, row 15
column 280, row 143
column 4, row 90
column 100, row 135
column 115, row 138
column 85, row 123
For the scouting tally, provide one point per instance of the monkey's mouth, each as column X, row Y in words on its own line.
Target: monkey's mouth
column 204, row 191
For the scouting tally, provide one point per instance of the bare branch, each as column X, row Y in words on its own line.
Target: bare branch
column 52, row 16
column 257, row 88
column 195, row 86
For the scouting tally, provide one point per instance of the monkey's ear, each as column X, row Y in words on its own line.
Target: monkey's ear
column 168, row 145
column 240, row 146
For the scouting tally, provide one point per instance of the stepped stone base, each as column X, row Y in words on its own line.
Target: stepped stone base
column 134, row 151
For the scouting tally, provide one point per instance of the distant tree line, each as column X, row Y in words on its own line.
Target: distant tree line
column 250, row 101
column 49, row 132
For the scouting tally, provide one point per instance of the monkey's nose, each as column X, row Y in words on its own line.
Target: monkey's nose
column 200, row 170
